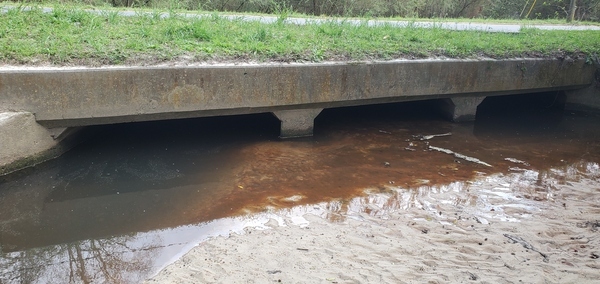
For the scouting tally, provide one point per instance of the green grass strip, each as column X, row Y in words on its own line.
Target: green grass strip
column 68, row 36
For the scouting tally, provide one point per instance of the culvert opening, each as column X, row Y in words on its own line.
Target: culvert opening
column 524, row 114
column 522, row 103
column 412, row 110
column 91, row 142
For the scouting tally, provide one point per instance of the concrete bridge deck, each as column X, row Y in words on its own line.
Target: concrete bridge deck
column 38, row 103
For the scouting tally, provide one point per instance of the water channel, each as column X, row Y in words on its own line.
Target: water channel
column 135, row 197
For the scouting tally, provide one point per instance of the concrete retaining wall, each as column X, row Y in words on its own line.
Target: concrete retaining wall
column 23, row 142
column 586, row 98
column 63, row 98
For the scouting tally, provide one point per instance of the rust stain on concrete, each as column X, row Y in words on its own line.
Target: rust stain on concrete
column 185, row 95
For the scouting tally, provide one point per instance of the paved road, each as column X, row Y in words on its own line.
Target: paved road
column 459, row 26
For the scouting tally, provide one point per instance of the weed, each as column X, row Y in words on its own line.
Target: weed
column 317, row 55
column 283, row 12
column 111, row 16
column 593, row 59
column 261, row 35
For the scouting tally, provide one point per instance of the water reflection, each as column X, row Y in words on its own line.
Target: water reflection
column 121, row 259
column 116, row 211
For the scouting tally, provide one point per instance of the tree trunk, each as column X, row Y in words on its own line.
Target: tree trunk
column 572, row 8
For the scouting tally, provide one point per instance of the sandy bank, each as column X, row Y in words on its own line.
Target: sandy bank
column 515, row 228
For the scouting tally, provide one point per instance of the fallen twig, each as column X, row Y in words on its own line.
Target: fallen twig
column 427, row 137
column 460, row 156
column 526, row 245
column 513, row 160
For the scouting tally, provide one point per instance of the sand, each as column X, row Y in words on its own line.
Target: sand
column 522, row 227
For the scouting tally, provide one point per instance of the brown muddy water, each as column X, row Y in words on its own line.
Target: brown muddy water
column 135, row 197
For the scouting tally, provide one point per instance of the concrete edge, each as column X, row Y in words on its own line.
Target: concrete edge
column 182, row 64
column 585, row 99
column 65, row 142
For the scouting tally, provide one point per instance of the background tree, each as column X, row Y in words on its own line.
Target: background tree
column 572, row 8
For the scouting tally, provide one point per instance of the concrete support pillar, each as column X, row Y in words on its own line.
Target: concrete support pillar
column 584, row 99
column 25, row 143
column 297, row 122
column 462, row 108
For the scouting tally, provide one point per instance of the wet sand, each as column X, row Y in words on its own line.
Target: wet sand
column 523, row 227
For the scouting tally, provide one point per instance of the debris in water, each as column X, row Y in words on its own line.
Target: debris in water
column 460, row 156
column 293, row 198
column 427, row 137
column 386, row 164
column 517, row 161
column 386, row 132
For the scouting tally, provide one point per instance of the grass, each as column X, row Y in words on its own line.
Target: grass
column 71, row 36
